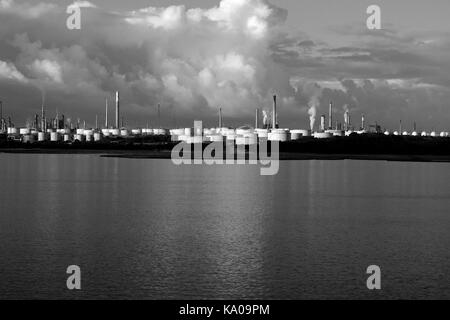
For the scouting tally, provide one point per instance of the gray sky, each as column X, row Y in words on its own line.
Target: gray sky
column 233, row 54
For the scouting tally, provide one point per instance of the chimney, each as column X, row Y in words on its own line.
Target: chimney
column 106, row 116
column 117, row 110
column 330, row 116
column 220, row 117
column 257, row 119
column 322, row 123
column 363, row 122
column 274, row 113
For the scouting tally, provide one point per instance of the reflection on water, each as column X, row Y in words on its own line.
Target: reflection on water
column 148, row 229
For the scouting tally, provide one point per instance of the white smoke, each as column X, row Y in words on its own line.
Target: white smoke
column 312, row 111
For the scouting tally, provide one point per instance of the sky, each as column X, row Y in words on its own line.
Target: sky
column 195, row 56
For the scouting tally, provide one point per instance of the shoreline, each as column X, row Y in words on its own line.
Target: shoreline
column 284, row 156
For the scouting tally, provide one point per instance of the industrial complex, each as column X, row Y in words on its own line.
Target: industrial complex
column 59, row 130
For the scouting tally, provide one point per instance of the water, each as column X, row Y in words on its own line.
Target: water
column 146, row 229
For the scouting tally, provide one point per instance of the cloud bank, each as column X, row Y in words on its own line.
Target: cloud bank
column 233, row 56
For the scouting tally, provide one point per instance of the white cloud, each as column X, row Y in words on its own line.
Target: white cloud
column 26, row 10
column 9, row 71
column 47, row 70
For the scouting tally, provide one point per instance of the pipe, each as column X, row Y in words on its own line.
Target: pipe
column 330, row 116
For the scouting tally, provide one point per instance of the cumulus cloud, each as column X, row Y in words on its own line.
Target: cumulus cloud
column 234, row 56
column 10, row 72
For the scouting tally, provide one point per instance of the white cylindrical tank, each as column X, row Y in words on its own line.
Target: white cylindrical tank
column 89, row 137
column 54, row 136
column 79, row 137
column 29, row 138
column 433, row 134
column 80, row 131
column 387, row 133
column 216, row 138
column 405, row 133
column 424, row 134
column 395, row 133
column 42, row 136
column 115, row 132
column 414, row 134
column 24, row 131
column 136, row 132
column 322, row 135
column 278, row 135
column 67, row 137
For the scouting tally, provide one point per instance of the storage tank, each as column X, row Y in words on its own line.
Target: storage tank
column 97, row 136
column 24, row 131
column 42, row 136
column 387, row 133
column 216, row 138
column 79, row 137
column 89, row 137
column 414, row 134
column 424, row 134
column 433, row 134
column 278, row 135
column 29, row 138
column 80, row 131
column 115, row 132
column 405, row 133
column 136, row 132
column 67, row 137
column 54, row 136
column 322, row 135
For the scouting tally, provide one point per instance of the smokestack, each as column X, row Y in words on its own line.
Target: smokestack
column 322, row 123
column 220, row 117
column 346, row 120
column 96, row 122
column 274, row 113
column 257, row 119
column 363, row 122
column 330, row 116
column 117, row 110
column 106, row 116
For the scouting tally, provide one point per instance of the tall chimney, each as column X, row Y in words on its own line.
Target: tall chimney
column 363, row 122
column 117, row 110
column 106, row 116
column 330, row 116
column 257, row 119
column 274, row 113
column 220, row 117
column 322, row 123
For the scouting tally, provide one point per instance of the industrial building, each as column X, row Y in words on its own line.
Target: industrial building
column 58, row 129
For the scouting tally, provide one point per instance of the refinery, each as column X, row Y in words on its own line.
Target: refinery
column 59, row 130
